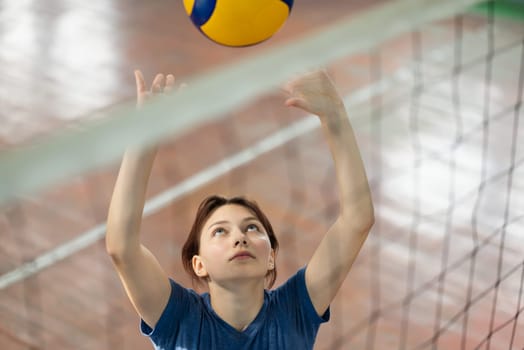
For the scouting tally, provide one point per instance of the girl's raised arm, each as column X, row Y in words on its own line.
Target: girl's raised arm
column 332, row 260
column 144, row 280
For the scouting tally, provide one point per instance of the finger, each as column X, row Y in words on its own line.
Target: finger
column 170, row 83
column 158, row 83
column 141, row 92
column 140, row 83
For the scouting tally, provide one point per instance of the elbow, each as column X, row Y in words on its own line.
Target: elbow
column 114, row 251
column 118, row 247
column 369, row 220
column 368, row 225
column 111, row 239
column 365, row 223
column 111, row 249
column 119, row 255
column 361, row 220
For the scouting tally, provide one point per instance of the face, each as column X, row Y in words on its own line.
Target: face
column 233, row 246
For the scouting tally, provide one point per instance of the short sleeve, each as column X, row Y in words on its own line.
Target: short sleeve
column 298, row 316
column 306, row 303
column 177, row 310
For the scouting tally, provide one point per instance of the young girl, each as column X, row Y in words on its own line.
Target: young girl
column 232, row 248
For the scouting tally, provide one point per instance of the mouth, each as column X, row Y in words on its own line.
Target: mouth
column 242, row 256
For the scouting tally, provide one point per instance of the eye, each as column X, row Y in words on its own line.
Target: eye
column 219, row 231
column 252, row 227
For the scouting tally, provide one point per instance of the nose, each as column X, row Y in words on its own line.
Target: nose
column 240, row 238
column 241, row 242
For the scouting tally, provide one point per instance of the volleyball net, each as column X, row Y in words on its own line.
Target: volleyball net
column 434, row 92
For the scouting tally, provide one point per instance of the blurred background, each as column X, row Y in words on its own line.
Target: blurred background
column 437, row 114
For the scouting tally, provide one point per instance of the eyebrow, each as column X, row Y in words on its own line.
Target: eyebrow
column 246, row 219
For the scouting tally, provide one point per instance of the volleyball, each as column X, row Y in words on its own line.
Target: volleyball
column 238, row 22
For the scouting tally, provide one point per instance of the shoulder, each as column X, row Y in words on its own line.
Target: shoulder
column 293, row 285
column 182, row 297
column 291, row 311
column 182, row 307
column 293, row 296
column 291, row 281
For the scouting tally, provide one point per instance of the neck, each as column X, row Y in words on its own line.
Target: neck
column 239, row 305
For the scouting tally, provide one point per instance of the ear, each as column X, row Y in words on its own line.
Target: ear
column 198, row 266
column 271, row 262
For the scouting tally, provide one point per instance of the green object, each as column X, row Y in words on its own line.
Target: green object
column 513, row 9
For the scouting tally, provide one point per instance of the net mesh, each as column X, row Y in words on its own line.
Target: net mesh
column 459, row 285
column 437, row 115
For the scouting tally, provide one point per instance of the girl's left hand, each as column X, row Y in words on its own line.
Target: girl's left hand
column 315, row 93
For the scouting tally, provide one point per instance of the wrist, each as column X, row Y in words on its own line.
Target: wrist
column 335, row 116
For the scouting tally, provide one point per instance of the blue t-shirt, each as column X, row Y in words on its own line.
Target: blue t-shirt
column 287, row 320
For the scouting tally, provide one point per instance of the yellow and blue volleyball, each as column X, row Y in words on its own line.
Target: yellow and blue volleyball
column 238, row 22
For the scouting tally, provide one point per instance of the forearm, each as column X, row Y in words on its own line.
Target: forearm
column 355, row 198
column 127, row 202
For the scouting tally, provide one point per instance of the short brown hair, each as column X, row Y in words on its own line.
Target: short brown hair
column 206, row 208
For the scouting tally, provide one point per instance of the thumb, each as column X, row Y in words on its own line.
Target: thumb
column 296, row 102
column 140, row 87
